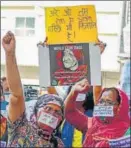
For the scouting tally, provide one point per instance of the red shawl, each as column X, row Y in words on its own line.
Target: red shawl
column 99, row 133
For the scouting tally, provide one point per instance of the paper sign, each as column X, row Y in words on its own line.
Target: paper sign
column 72, row 24
column 62, row 65
column 81, row 97
column 103, row 111
column 2, row 144
column 30, row 92
column 121, row 142
column 48, row 119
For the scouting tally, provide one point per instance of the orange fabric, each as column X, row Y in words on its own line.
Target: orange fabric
column 52, row 90
column 2, row 126
column 96, row 93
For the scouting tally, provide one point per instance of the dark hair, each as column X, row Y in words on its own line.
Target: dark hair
column 1, row 90
column 3, row 79
column 113, row 89
column 89, row 101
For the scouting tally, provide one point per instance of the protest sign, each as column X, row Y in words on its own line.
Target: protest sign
column 72, row 24
column 103, row 111
column 67, row 64
column 120, row 142
column 30, row 92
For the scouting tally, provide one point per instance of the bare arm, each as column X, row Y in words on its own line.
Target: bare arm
column 72, row 115
column 16, row 104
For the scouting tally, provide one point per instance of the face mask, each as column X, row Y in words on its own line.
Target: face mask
column 103, row 112
column 48, row 119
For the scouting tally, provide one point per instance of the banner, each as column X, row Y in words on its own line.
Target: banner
column 67, row 64
column 72, row 24
column 121, row 142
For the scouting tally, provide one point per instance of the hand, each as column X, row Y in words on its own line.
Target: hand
column 101, row 45
column 81, row 86
column 9, row 42
column 43, row 43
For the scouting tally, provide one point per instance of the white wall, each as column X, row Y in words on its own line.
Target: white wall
column 108, row 20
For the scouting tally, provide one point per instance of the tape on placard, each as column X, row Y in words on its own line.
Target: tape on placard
column 81, row 97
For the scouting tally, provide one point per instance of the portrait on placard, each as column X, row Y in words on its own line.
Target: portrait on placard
column 71, row 64
column 66, row 64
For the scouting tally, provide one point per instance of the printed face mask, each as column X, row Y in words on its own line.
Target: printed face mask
column 103, row 111
column 48, row 119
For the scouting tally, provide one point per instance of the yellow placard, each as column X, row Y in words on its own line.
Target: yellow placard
column 75, row 24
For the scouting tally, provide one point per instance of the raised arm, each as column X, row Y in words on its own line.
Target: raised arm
column 16, row 104
column 72, row 115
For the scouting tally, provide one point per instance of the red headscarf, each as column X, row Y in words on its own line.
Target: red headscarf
column 99, row 134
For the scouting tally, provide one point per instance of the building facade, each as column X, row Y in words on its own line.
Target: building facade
column 26, row 20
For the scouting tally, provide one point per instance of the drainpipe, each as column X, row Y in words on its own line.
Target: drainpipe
column 122, row 23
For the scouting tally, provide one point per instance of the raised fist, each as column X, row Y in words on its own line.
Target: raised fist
column 8, row 42
column 43, row 43
column 101, row 45
column 81, row 86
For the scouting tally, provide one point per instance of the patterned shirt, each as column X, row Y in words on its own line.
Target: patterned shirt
column 22, row 133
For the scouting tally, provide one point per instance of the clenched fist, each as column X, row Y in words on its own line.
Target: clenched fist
column 9, row 43
column 81, row 86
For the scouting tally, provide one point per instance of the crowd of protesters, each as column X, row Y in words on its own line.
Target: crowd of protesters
column 55, row 122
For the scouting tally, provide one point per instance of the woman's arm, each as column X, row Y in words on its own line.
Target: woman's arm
column 16, row 104
column 72, row 115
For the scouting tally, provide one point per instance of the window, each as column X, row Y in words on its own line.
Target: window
column 3, row 26
column 25, row 26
